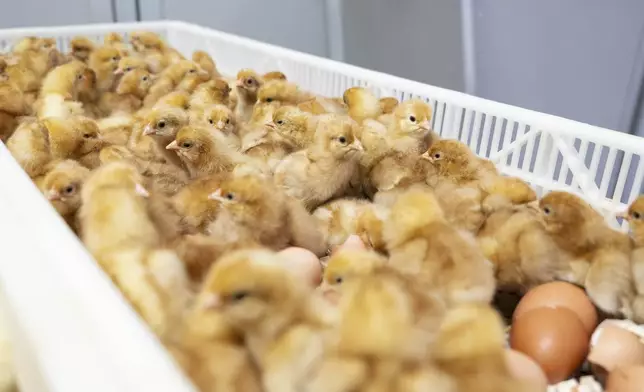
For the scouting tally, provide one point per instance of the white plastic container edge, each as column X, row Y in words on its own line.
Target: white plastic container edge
column 72, row 329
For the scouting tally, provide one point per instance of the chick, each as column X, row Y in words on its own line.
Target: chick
column 175, row 99
column 33, row 43
column 388, row 104
column 206, row 63
column 212, row 354
column 28, row 69
column 204, row 152
column 409, row 130
column 346, row 265
column 161, row 126
column 62, row 187
column 362, row 104
column 322, row 105
column 115, row 40
column 82, row 48
column 470, row 352
column 129, row 93
column 294, row 126
column 282, row 91
column 599, row 255
column 220, row 119
column 325, row 169
column 370, row 227
column 171, row 77
column 61, row 90
column 104, row 61
column 247, row 84
column 421, row 243
column 36, row 143
column 280, row 320
column 157, row 53
column 195, row 206
column 259, row 140
column 269, row 217
column 635, row 218
column 12, row 106
column 338, row 219
column 117, row 230
column 130, row 63
column 213, row 92
column 454, row 162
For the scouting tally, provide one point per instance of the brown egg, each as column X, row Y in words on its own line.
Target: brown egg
column 560, row 294
column 304, row 263
column 612, row 347
column 554, row 338
column 626, row 379
column 523, row 367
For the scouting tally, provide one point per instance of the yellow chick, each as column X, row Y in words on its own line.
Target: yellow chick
column 115, row 40
column 282, row 91
column 128, row 95
column 247, row 84
column 635, row 217
column 195, row 206
column 259, row 140
column 104, row 61
column 206, row 63
column 338, row 219
column 218, row 118
column 260, row 209
column 599, row 255
column 213, row 92
column 62, row 187
column 346, row 265
column 324, row 170
column 81, row 48
column 388, row 104
column 278, row 316
column 159, row 125
column 294, row 126
column 362, row 104
column 12, row 106
column 422, row 244
column 61, row 90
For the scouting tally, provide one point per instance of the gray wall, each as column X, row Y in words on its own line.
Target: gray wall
column 26, row 13
column 579, row 59
column 416, row 39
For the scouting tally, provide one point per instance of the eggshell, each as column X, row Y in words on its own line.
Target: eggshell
column 304, row 263
column 523, row 367
column 554, row 337
column 612, row 347
column 626, row 379
column 560, row 294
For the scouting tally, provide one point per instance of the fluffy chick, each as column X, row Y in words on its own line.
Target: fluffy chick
column 82, row 48
column 264, row 213
column 170, row 79
column 204, row 152
column 218, row 118
column 195, row 206
column 129, row 93
column 282, row 91
column 469, row 353
column 294, row 126
column 247, row 84
column 12, row 106
column 259, row 140
column 338, row 219
column 454, row 162
column 325, row 169
column 104, row 61
column 115, row 40
column 635, row 218
column 63, row 84
column 599, row 255
column 346, row 265
column 206, row 63
column 117, row 230
column 130, row 63
column 62, row 187
column 362, row 104
column 160, row 125
column 280, row 320
column 388, row 104
column 421, row 243
column 213, row 92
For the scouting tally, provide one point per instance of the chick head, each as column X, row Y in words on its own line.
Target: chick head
column 62, row 185
column 191, row 143
column 450, row 158
column 146, row 40
column 130, row 63
column 34, row 43
column 81, row 48
column 220, row 117
column 388, row 104
column 84, row 79
column 347, row 264
column 183, row 69
column 635, row 214
column 218, row 89
column 113, row 38
column 114, row 175
column 338, row 135
column 248, row 82
column 563, row 212
column 278, row 91
column 274, row 75
column 244, row 197
column 413, row 117
column 263, row 113
column 249, row 286
column 289, row 122
column 106, row 58
column 354, row 95
column 137, row 82
column 164, row 122
column 175, row 99
column 410, row 214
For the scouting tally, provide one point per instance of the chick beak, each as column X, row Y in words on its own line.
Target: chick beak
column 211, row 302
column 356, row 146
column 270, row 125
column 239, row 83
column 141, row 191
column 427, row 157
column 216, row 195
column 149, row 130
column 424, row 126
column 118, row 72
column 53, row 196
column 220, row 124
column 533, row 205
column 172, row 146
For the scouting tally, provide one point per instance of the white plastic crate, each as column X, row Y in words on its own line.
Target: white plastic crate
column 73, row 330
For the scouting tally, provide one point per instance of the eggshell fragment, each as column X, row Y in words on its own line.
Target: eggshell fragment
column 626, row 379
column 613, row 347
column 304, row 263
column 560, row 294
column 523, row 367
column 554, row 337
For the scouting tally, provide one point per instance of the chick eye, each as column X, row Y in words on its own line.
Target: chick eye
column 87, row 135
column 342, row 139
column 145, row 78
column 437, row 155
column 249, row 82
column 546, row 210
column 69, row 189
column 230, row 196
column 210, row 121
column 338, row 280
column 269, row 100
column 115, row 58
column 637, row 215
column 280, row 122
column 412, row 118
column 192, row 71
column 227, row 121
column 238, row 295
column 186, row 144
column 79, row 77
column 128, row 69
column 161, row 124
